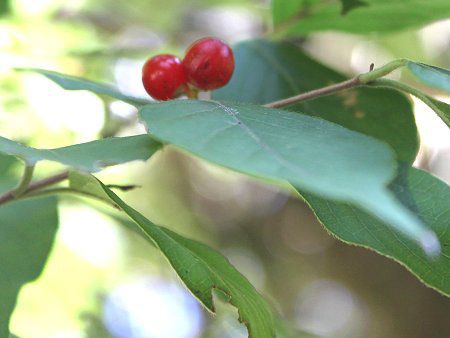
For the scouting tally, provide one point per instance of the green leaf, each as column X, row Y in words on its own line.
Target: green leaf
column 349, row 5
column 201, row 269
column 7, row 180
column 312, row 154
column 91, row 156
column 27, row 230
column 424, row 195
column 267, row 71
column 302, row 17
column 442, row 109
column 431, row 75
column 76, row 83
column 78, row 182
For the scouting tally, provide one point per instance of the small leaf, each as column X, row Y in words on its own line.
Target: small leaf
column 431, row 75
column 202, row 269
column 27, row 230
column 312, row 154
column 91, row 156
column 424, row 195
column 269, row 71
column 348, row 5
column 76, row 83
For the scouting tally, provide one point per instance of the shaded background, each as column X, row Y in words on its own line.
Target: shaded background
column 103, row 280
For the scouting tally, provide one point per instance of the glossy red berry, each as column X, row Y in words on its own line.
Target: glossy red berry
column 163, row 77
column 209, row 64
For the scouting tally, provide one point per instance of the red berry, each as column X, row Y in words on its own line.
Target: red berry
column 163, row 77
column 209, row 64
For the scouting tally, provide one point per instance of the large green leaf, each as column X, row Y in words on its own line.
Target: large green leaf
column 431, row 75
column 76, row 83
column 267, row 71
column 27, row 230
column 423, row 194
column 300, row 17
column 312, row 154
column 91, row 156
column 200, row 268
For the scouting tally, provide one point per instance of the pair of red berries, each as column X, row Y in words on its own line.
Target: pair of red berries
column 208, row 64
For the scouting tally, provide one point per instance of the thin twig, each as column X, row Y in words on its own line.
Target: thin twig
column 359, row 80
column 9, row 195
column 353, row 82
column 53, row 191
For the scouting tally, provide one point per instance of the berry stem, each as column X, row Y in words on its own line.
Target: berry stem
column 192, row 93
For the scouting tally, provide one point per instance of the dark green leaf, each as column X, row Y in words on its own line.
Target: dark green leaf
column 267, row 71
column 424, row 195
column 202, row 269
column 442, row 109
column 301, row 17
column 91, row 156
column 310, row 153
column 430, row 75
column 348, row 5
column 27, row 230
column 76, row 83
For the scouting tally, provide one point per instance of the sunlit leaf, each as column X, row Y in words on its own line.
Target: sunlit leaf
column 431, row 75
column 312, row 154
column 91, row 156
column 76, row 83
column 79, row 182
column 301, row 17
column 201, row 269
column 268, row 71
column 424, row 195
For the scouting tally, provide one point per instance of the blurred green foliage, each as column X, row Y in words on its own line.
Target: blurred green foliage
column 274, row 240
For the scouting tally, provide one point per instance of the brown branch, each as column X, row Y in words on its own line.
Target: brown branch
column 9, row 195
column 359, row 80
column 353, row 82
